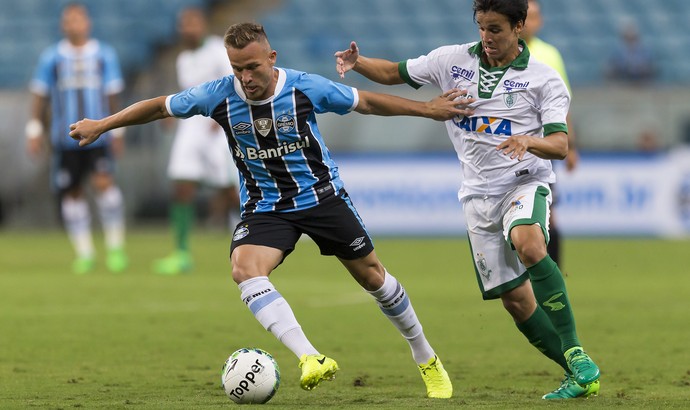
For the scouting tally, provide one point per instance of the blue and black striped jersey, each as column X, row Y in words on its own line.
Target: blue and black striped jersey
column 78, row 82
column 283, row 161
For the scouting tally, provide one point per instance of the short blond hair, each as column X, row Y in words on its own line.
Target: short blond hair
column 242, row 34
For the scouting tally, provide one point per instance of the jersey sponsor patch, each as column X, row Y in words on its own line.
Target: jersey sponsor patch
column 263, row 125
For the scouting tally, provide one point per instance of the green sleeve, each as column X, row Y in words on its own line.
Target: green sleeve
column 402, row 70
column 555, row 127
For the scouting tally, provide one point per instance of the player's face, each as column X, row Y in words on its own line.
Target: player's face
column 76, row 24
column 253, row 66
column 499, row 40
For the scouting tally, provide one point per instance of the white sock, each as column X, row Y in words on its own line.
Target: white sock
column 112, row 212
column 396, row 305
column 77, row 219
column 275, row 315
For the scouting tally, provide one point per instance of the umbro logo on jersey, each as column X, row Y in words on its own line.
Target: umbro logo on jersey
column 358, row 243
column 263, row 126
column 242, row 128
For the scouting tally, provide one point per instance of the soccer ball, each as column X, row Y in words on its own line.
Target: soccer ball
column 250, row 375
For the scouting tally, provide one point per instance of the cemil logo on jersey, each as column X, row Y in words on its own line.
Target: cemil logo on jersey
column 263, row 125
column 285, row 123
column 459, row 72
column 242, row 128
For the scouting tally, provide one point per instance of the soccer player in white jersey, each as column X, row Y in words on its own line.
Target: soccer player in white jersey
column 75, row 78
column 200, row 149
column 505, row 148
column 290, row 186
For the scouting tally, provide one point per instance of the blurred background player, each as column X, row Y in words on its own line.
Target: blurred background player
column 200, row 150
column 79, row 77
column 548, row 54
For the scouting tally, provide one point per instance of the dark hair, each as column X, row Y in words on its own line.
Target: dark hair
column 241, row 34
column 515, row 10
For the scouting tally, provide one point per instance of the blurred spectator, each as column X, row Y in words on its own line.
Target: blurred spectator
column 631, row 61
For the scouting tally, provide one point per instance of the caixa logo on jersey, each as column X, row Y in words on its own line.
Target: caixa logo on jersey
column 488, row 125
column 285, row 123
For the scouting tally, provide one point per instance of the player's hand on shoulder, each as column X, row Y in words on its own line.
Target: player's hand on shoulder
column 450, row 104
column 345, row 60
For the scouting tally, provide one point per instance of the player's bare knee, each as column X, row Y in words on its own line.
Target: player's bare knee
column 531, row 252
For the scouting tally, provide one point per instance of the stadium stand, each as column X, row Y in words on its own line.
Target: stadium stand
column 307, row 32
column 134, row 28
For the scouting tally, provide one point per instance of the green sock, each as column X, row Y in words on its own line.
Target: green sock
column 182, row 216
column 549, row 290
column 540, row 332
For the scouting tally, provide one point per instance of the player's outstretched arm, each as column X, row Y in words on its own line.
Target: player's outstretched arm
column 87, row 131
column 441, row 108
column 376, row 69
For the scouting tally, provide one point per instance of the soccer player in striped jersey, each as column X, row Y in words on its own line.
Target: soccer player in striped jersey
column 80, row 77
column 549, row 55
column 505, row 149
column 290, row 186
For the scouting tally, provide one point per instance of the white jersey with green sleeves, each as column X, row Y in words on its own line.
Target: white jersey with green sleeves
column 526, row 97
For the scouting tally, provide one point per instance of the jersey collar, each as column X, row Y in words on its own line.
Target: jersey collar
column 520, row 62
column 66, row 48
column 279, row 87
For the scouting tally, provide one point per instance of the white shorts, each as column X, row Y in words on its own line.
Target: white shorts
column 489, row 221
column 200, row 153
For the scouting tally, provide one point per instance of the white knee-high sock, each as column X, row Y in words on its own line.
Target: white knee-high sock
column 77, row 219
column 396, row 305
column 275, row 315
column 112, row 211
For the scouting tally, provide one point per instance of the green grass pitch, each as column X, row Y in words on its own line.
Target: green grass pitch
column 137, row 340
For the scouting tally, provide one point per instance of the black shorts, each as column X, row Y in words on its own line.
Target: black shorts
column 334, row 225
column 73, row 166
